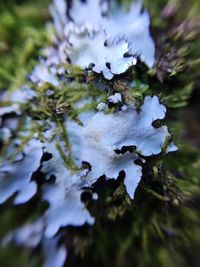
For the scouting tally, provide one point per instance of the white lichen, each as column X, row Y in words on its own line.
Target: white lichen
column 86, row 15
column 91, row 140
column 63, row 195
column 43, row 74
column 134, row 26
column 117, row 97
column 95, row 16
column 58, row 10
column 98, row 141
column 31, row 235
column 109, row 60
column 54, row 255
column 15, row 177
column 102, row 106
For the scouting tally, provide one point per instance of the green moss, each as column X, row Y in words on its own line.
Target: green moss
column 22, row 33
